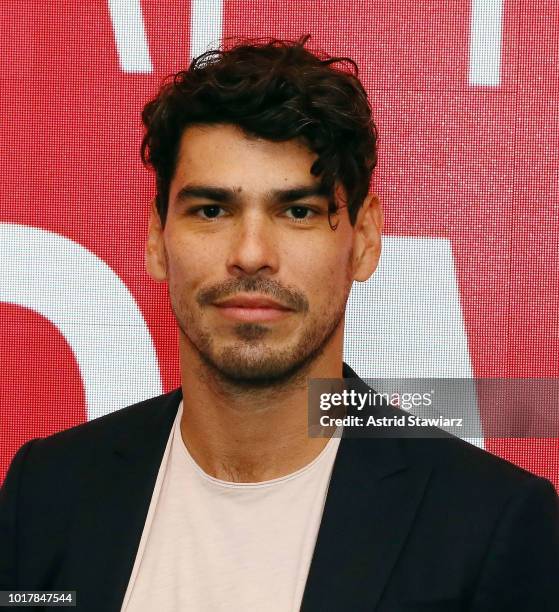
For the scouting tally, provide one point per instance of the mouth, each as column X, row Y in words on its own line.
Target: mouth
column 252, row 308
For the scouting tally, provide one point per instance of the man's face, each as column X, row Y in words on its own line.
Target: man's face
column 258, row 281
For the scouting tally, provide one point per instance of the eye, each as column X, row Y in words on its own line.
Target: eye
column 209, row 211
column 301, row 213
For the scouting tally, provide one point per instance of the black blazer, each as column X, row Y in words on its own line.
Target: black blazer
column 408, row 524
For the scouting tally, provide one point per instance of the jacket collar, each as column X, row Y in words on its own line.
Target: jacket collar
column 370, row 506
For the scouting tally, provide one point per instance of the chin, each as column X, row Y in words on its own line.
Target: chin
column 236, row 366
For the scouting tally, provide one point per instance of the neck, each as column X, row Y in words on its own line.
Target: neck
column 250, row 434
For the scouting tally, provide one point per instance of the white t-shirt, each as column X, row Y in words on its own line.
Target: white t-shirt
column 209, row 545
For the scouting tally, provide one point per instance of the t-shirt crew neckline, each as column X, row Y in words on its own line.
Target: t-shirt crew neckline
column 331, row 445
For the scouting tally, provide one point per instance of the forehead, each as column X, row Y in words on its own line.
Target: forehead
column 225, row 153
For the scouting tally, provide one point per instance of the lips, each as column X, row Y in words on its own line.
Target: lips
column 251, row 302
column 252, row 308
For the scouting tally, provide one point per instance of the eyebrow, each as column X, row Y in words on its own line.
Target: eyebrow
column 227, row 195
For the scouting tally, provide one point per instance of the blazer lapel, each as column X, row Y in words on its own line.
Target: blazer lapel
column 370, row 507
column 114, row 505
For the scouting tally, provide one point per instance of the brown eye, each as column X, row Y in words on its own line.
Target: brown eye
column 300, row 213
column 210, row 211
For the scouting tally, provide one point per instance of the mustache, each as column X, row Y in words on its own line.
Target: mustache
column 289, row 297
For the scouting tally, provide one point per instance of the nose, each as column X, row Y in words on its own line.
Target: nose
column 253, row 246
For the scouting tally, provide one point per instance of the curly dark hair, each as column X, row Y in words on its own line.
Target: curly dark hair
column 273, row 89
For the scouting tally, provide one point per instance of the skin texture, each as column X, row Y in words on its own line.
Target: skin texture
column 244, row 381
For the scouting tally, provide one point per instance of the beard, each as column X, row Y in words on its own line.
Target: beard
column 249, row 362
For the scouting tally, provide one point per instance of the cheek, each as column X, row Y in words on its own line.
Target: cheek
column 190, row 263
column 326, row 281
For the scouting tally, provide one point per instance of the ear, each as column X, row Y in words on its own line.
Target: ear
column 367, row 238
column 155, row 256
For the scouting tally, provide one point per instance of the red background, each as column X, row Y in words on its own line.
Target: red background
column 475, row 164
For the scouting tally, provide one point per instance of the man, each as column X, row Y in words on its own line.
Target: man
column 213, row 496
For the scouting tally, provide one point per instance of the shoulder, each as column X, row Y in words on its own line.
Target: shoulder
column 455, row 463
column 469, row 476
column 84, row 440
column 453, row 457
